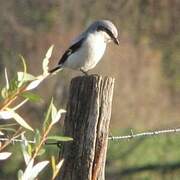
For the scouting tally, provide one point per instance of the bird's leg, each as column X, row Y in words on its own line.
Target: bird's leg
column 84, row 72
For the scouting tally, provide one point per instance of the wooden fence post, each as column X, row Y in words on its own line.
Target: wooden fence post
column 87, row 122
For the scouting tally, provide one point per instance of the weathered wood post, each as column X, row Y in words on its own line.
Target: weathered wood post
column 87, row 122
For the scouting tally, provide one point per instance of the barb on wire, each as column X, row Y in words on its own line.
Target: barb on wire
column 150, row 133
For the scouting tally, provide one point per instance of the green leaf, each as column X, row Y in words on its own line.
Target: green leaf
column 7, row 125
column 57, row 116
column 10, row 88
column 60, row 138
column 59, row 165
column 31, row 96
column 41, row 152
column 46, row 60
column 8, row 129
column 35, row 83
column 20, row 104
column 53, row 163
column 7, row 81
column 20, row 174
column 5, row 155
column 20, row 120
column 5, row 115
column 47, row 120
column 37, row 169
column 29, row 150
column 22, row 76
column 24, row 71
column 24, row 63
column 37, row 137
column 25, row 149
column 4, row 93
column 53, row 111
column 13, row 85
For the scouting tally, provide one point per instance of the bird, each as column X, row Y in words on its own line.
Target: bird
column 89, row 47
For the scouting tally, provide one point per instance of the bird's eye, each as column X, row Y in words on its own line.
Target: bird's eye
column 97, row 29
column 100, row 28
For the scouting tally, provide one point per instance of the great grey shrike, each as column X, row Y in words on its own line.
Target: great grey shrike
column 89, row 47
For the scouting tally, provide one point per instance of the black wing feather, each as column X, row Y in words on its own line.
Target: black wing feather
column 72, row 49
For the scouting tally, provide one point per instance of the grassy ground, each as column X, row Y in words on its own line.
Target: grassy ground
column 144, row 158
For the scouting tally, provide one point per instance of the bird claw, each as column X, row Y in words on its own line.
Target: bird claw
column 84, row 72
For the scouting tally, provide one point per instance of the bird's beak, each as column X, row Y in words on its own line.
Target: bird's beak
column 116, row 41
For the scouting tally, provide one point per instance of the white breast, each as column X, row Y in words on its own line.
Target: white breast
column 89, row 53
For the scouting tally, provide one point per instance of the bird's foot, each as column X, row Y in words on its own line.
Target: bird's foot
column 84, row 72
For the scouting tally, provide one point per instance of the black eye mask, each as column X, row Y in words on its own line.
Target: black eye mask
column 102, row 28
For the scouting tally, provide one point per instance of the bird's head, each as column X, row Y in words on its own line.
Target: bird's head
column 107, row 28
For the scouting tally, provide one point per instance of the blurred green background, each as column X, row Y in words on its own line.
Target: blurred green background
column 146, row 67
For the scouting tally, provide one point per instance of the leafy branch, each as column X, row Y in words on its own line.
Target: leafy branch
column 14, row 95
column 32, row 150
column 18, row 88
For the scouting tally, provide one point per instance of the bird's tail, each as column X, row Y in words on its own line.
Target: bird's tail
column 57, row 68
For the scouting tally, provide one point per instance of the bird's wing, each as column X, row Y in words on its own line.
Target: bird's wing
column 72, row 49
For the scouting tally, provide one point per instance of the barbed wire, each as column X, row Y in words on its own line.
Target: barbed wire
column 14, row 140
column 132, row 135
column 149, row 133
